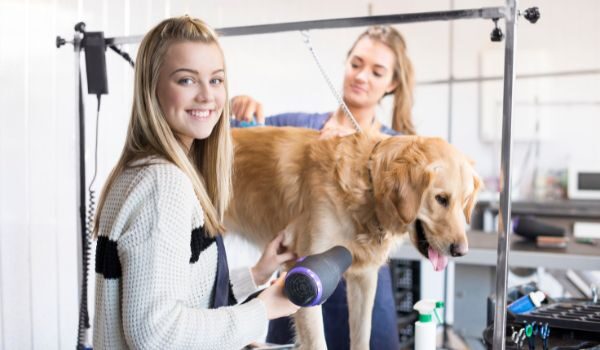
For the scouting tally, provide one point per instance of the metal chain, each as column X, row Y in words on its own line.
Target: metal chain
column 306, row 36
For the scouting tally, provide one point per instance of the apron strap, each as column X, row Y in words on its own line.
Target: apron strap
column 222, row 287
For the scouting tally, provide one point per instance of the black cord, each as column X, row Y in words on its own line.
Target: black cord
column 87, row 218
column 123, row 54
column 83, row 325
column 98, row 96
column 83, row 341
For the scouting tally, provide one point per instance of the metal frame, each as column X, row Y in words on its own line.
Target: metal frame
column 509, row 13
column 478, row 79
column 484, row 12
column 83, row 241
column 505, row 177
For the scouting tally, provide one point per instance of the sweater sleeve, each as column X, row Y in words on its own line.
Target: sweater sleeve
column 154, row 255
column 242, row 283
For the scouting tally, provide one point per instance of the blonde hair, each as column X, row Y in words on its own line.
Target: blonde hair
column 209, row 163
column 403, row 75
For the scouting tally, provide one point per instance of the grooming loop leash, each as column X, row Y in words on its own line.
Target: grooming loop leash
column 306, row 36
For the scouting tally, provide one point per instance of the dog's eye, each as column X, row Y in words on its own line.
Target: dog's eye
column 442, row 200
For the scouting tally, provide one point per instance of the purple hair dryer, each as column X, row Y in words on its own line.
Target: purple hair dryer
column 314, row 277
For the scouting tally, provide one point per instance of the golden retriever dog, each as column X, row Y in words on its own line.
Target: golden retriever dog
column 358, row 191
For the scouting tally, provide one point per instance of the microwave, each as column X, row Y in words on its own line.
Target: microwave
column 584, row 182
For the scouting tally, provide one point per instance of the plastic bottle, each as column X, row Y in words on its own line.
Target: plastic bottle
column 527, row 302
column 425, row 327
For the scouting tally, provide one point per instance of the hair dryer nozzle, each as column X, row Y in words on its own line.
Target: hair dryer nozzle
column 314, row 278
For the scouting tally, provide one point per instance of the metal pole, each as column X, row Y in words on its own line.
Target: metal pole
column 79, row 141
column 449, row 138
column 485, row 12
column 479, row 79
column 504, row 219
column 83, row 331
column 451, row 77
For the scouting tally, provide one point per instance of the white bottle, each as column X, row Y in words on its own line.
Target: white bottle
column 425, row 327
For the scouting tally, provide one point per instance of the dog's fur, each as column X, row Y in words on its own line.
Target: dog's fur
column 359, row 191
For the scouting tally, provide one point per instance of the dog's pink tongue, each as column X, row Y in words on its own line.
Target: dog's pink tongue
column 439, row 261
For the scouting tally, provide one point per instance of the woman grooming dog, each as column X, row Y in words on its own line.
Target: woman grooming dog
column 377, row 65
column 162, row 277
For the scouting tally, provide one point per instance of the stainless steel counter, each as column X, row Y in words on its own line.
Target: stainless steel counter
column 483, row 251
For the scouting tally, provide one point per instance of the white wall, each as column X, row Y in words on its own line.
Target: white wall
column 38, row 227
column 37, row 240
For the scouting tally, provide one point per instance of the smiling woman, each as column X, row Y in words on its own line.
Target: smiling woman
column 191, row 89
column 162, row 278
column 377, row 65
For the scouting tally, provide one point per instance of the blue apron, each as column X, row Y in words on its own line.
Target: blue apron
column 221, row 288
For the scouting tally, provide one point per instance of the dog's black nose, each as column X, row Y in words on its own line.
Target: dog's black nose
column 458, row 249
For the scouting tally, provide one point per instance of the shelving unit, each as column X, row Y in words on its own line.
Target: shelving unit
column 406, row 281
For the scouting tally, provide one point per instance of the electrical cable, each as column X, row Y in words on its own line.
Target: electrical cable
column 87, row 216
column 98, row 96
column 83, row 341
column 123, row 54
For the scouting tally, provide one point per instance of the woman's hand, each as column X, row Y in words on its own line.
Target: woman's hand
column 272, row 257
column 245, row 108
column 276, row 303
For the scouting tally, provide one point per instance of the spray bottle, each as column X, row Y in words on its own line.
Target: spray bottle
column 425, row 327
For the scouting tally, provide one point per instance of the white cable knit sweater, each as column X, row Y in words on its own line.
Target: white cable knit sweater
column 149, row 292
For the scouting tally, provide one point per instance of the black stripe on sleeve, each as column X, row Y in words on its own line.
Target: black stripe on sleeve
column 107, row 258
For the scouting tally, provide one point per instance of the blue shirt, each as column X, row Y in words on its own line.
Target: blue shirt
column 306, row 120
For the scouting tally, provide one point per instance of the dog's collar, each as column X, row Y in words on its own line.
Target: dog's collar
column 380, row 230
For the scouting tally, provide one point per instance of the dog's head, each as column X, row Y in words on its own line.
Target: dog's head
column 428, row 188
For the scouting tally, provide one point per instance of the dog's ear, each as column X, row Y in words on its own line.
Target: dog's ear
column 472, row 198
column 401, row 182
column 411, row 191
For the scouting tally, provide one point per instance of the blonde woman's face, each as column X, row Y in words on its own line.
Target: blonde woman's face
column 191, row 89
column 369, row 73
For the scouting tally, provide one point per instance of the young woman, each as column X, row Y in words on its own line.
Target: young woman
column 377, row 65
column 162, row 277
